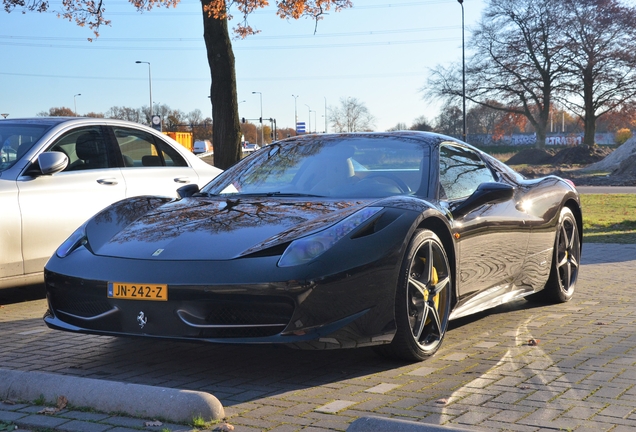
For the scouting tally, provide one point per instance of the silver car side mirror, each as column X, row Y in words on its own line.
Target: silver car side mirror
column 52, row 162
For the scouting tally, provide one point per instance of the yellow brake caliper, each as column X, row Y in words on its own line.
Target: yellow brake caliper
column 434, row 280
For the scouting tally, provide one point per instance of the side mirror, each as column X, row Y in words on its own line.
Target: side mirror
column 486, row 193
column 187, row 190
column 52, row 162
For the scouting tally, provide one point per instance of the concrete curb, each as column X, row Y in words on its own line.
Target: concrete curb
column 178, row 406
column 375, row 424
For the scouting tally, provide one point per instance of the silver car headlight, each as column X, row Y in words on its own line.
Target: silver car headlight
column 75, row 240
column 308, row 248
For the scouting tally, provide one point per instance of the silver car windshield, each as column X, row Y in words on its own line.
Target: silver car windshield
column 329, row 167
column 16, row 139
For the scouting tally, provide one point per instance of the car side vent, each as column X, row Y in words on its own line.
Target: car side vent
column 272, row 251
column 377, row 224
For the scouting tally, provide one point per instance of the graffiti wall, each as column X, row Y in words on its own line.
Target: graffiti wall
column 556, row 139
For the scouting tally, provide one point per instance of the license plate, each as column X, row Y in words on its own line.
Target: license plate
column 134, row 291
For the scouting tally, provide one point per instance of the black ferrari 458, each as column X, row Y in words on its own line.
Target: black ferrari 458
column 323, row 241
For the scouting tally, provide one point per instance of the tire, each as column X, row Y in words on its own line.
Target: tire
column 422, row 301
column 566, row 259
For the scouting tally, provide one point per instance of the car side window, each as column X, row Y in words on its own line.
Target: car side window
column 461, row 171
column 86, row 148
column 142, row 149
column 170, row 155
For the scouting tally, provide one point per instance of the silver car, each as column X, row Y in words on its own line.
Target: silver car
column 60, row 171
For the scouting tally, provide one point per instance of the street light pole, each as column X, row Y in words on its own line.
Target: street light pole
column 149, row 84
column 461, row 2
column 325, row 113
column 261, row 119
column 315, row 120
column 75, row 102
column 295, row 113
column 309, row 115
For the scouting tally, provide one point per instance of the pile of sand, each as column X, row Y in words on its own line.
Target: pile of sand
column 613, row 161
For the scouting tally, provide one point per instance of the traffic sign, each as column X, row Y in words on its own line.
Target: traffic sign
column 300, row 128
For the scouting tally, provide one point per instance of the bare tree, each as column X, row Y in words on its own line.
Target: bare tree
column 351, row 116
column 195, row 117
column 125, row 113
column 421, row 124
column 450, row 120
column 600, row 58
column 483, row 119
column 515, row 47
column 176, row 120
column 398, row 127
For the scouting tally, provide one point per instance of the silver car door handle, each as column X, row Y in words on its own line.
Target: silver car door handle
column 107, row 181
column 182, row 180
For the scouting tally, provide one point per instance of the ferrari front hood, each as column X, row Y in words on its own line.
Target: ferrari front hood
column 221, row 228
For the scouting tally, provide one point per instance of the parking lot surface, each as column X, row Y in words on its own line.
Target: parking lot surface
column 519, row 367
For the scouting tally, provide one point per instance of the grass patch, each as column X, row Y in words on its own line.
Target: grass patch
column 609, row 218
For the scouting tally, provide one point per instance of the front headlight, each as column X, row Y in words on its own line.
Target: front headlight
column 77, row 239
column 308, row 248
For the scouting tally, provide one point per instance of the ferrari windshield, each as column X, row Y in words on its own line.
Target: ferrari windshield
column 331, row 166
column 16, row 138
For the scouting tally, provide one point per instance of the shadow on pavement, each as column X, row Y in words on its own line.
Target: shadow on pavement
column 22, row 294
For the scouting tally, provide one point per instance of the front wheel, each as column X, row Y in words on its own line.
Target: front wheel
column 566, row 259
column 423, row 299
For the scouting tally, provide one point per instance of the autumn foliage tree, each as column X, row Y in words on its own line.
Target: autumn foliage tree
column 57, row 112
column 216, row 14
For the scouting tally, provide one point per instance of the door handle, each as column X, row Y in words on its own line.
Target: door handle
column 107, row 181
column 182, row 180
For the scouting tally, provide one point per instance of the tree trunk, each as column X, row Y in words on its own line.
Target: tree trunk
column 226, row 127
column 540, row 130
column 589, row 121
column 590, row 130
column 540, row 123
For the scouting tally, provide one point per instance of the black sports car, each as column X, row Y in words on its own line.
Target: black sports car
column 323, row 241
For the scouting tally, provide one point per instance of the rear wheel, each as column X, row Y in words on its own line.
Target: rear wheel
column 423, row 299
column 566, row 259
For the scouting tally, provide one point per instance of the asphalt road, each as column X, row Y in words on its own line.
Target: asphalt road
column 579, row 374
column 606, row 189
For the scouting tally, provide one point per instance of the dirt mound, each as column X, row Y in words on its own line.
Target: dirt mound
column 627, row 168
column 614, row 159
column 531, row 156
column 580, row 155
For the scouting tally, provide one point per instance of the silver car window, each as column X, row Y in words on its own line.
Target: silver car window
column 142, row 149
column 16, row 139
column 85, row 148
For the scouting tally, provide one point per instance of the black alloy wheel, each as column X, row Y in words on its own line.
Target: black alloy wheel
column 423, row 299
column 566, row 260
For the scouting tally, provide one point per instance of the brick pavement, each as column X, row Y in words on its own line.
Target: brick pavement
column 580, row 376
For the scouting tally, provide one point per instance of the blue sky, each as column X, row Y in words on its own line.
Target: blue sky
column 379, row 52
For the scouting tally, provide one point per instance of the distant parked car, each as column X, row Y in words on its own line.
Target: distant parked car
column 57, row 172
column 202, row 147
column 250, row 147
column 7, row 154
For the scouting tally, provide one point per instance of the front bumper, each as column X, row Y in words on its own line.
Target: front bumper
column 306, row 306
